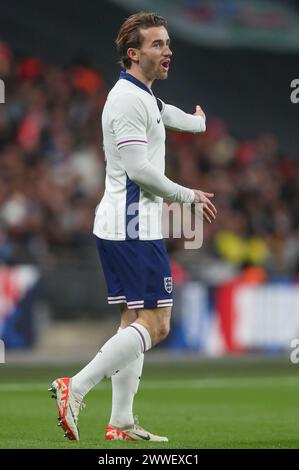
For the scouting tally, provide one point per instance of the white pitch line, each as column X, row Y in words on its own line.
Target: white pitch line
column 177, row 384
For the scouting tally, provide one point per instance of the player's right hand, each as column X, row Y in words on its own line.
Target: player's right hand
column 209, row 210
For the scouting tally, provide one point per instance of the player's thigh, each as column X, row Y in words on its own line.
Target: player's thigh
column 157, row 321
column 127, row 316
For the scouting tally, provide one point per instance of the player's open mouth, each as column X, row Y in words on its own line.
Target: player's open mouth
column 165, row 65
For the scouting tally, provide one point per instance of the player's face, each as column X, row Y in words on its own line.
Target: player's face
column 155, row 54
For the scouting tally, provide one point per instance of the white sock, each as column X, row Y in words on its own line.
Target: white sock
column 117, row 353
column 125, row 384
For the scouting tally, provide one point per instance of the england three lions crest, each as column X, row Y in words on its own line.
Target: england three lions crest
column 168, row 284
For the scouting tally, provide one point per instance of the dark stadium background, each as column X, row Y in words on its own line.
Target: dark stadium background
column 249, row 90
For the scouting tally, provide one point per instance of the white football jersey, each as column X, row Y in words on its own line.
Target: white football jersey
column 130, row 116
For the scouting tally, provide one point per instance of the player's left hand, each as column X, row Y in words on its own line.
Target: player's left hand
column 208, row 210
column 199, row 111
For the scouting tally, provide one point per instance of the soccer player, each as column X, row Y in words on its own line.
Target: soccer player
column 127, row 226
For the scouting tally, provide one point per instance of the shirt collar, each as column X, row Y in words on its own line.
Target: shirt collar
column 130, row 78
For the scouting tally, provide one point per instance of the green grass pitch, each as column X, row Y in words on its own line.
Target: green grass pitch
column 223, row 404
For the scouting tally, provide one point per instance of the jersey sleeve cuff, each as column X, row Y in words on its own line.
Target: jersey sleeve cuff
column 124, row 142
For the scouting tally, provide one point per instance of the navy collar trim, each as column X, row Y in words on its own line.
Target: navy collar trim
column 130, row 78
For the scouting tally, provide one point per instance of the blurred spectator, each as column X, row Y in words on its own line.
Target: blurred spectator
column 6, row 59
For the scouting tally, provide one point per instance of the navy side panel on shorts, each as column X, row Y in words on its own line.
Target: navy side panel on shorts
column 136, row 272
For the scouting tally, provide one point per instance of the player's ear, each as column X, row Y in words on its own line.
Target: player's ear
column 133, row 54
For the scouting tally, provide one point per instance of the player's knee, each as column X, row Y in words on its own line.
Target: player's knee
column 163, row 331
column 158, row 334
column 157, row 322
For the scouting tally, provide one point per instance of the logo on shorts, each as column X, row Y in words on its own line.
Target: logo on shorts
column 168, row 284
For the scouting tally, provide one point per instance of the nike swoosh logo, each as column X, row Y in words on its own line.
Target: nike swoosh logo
column 145, row 438
column 158, row 120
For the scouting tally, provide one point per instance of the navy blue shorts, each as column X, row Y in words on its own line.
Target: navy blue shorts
column 137, row 272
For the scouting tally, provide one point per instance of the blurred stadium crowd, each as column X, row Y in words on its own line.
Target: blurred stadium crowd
column 52, row 176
